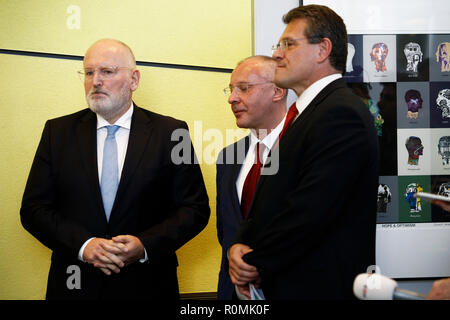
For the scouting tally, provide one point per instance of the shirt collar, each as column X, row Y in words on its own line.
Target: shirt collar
column 270, row 139
column 313, row 90
column 124, row 121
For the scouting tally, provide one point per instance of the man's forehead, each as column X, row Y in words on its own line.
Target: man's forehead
column 294, row 29
column 246, row 72
column 107, row 52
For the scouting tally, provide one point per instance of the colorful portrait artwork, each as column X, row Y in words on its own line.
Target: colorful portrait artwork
column 443, row 56
column 414, row 101
column 384, row 197
column 444, row 149
column 413, row 202
column 413, row 54
column 378, row 56
column 415, row 149
column 443, row 103
column 375, row 112
column 444, row 189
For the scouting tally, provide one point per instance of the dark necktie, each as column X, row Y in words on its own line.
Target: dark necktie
column 292, row 113
column 251, row 180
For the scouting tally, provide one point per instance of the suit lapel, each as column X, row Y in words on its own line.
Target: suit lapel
column 140, row 132
column 86, row 135
column 334, row 85
column 236, row 169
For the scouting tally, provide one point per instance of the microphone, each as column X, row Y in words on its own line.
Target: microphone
column 375, row 286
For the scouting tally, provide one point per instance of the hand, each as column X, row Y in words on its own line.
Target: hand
column 240, row 272
column 131, row 249
column 440, row 290
column 102, row 253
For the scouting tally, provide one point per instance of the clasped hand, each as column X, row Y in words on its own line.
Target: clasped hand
column 112, row 255
column 241, row 273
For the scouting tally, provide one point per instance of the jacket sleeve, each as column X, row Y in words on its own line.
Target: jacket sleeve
column 39, row 214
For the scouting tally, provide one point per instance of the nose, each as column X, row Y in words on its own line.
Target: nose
column 234, row 97
column 97, row 79
column 277, row 54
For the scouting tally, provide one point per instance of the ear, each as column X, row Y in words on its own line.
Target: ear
column 280, row 93
column 135, row 77
column 325, row 47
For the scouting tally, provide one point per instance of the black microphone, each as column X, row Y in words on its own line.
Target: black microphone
column 374, row 286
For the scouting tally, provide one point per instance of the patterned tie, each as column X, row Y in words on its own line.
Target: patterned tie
column 250, row 181
column 110, row 172
column 292, row 113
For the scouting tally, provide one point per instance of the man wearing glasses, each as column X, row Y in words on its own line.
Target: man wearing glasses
column 259, row 105
column 311, row 227
column 104, row 194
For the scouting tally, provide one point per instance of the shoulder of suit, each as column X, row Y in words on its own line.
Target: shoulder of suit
column 337, row 93
column 342, row 102
column 67, row 122
column 144, row 115
column 234, row 150
column 234, row 145
column 160, row 118
column 81, row 114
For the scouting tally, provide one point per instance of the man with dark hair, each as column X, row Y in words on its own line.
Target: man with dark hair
column 323, row 23
column 311, row 227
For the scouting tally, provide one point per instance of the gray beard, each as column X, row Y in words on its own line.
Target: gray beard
column 109, row 107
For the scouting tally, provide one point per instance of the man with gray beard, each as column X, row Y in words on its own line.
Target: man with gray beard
column 105, row 195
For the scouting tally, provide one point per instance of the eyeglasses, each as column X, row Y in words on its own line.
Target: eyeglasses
column 286, row 44
column 104, row 72
column 242, row 88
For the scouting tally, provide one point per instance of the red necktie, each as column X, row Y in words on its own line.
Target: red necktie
column 250, row 181
column 292, row 113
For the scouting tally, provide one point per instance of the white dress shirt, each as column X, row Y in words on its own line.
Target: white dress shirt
column 122, row 135
column 249, row 160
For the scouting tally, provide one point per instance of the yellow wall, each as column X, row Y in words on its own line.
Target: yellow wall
column 33, row 89
column 199, row 32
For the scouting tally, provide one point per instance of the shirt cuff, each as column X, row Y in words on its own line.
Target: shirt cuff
column 239, row 295
column 81, row 252
column 145, row 259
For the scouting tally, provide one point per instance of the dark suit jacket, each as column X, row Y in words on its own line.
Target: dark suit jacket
column 229, row 214
column 312, row 225
column 162, row 203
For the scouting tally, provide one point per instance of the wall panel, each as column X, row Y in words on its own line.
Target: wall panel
column 200, row 32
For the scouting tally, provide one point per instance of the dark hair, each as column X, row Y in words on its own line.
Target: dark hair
column 322, row 22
